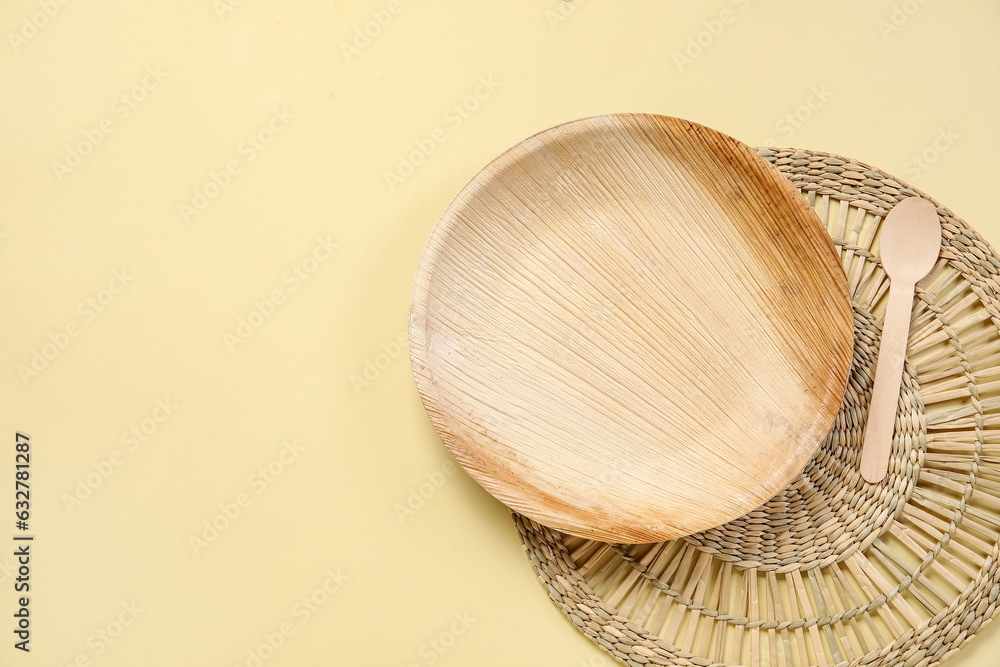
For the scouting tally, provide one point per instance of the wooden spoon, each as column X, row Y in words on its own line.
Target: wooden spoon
column 911, row 242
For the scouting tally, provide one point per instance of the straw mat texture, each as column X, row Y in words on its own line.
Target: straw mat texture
column 834, row 571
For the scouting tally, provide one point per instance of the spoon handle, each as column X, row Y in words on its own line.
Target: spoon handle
column 888, row 374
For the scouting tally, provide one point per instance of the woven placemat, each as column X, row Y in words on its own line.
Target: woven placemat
column 834, row 571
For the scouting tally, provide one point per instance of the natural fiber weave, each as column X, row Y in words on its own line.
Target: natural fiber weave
column 835, row 571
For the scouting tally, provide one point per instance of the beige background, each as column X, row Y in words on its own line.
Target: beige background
column 345, row 118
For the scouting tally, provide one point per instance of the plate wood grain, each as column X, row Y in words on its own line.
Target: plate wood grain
column 630, row 328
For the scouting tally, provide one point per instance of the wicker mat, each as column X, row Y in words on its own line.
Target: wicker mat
column 834, row 571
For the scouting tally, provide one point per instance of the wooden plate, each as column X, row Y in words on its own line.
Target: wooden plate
column 631, row 328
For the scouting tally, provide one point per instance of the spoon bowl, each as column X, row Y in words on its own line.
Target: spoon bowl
column 911, row 240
